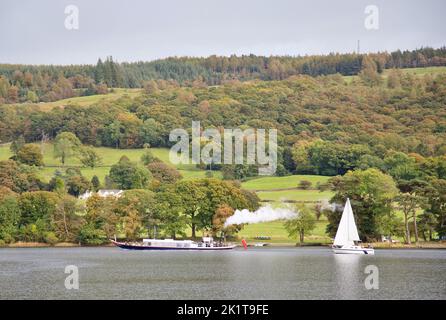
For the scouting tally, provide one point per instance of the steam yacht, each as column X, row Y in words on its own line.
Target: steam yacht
column 207, row 244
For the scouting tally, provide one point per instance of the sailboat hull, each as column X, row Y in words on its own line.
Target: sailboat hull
column 354, row 250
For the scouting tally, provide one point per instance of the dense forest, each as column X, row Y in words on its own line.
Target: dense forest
column 331, row 124
column 26, row 83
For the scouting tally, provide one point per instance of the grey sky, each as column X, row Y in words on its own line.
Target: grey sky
column 33, row 31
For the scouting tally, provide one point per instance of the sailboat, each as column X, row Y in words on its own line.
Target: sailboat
column 347, row 238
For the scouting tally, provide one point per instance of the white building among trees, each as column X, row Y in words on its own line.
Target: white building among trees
column 102, row 193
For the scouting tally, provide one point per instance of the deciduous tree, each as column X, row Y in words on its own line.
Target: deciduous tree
column 30, row 154
column 371, row 193
column 303, row 223
column 89, row 157
column 66, row 145
column 130, row 175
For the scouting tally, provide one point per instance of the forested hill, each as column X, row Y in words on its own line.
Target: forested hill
column 29, row 83
column 330, row 125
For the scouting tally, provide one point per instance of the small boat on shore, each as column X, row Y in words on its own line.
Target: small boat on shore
column 347, row 238
column 260, row 244
column 207, row 244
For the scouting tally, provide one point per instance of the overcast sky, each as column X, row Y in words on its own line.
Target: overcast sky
column 34, row 31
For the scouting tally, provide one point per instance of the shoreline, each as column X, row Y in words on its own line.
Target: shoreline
column 21, row 244
column 378, row 245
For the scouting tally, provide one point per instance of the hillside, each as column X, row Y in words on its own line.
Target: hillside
column 22, row 83
column 117, row 93
column 392, row 124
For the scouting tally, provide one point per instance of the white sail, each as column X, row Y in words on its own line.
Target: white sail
column 347, row 231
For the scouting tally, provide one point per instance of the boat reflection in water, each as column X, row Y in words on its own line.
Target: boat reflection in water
column 207, row 244
column 349, row 282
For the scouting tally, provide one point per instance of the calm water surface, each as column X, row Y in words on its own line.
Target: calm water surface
column 263, row 273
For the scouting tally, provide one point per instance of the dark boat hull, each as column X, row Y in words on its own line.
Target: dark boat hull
column 152, row 248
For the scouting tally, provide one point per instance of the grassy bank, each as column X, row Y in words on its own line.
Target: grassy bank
column 276, row 231
column 21, row 244
column 420, row 245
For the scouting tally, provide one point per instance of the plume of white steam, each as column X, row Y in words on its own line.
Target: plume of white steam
column 263, row 214
column 325, row 205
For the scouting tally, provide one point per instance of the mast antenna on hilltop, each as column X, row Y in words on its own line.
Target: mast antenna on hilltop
column 359, row 47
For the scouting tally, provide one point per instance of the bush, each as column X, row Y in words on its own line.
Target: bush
column 6, row 237
column 304, row 185
column 30, row 154
column 8, row 233
column 29, row 233
column 324, row 187
column 9, row 215
column 281, row 171
column 89, row 235
column 50, row 238
column 95, row 183
column 2, row 243
column 89, row 157
column 77, row 185
column 148, row 157
column 163, row 172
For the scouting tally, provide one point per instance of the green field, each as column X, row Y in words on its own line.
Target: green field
column 294, row 195
column 414, row 71
column 109, row 156
column 88, row 100
column 271, row 183
column 275, row 229
column 279, row 235
column 422, row 71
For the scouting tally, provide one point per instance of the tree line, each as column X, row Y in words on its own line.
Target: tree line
column 29, row 83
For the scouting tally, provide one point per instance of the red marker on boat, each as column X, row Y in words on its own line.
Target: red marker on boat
column 245, row 245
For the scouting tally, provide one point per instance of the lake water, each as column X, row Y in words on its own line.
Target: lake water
column 259, row 273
